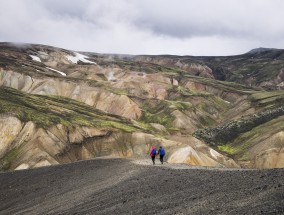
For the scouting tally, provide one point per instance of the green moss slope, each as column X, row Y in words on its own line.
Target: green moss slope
column 46, row 111
column 239, row 147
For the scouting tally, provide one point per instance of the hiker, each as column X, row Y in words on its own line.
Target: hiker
column 153, row 153
column 162, row 153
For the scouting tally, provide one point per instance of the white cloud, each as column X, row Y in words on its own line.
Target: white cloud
column 185, row 27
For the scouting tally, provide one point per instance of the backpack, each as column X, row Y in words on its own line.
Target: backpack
column 162, row 151
column 154, row 152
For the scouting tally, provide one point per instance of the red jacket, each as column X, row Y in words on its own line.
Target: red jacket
column 151, row 150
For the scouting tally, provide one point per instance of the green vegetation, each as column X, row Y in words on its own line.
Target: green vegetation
column 260, row 67
column 251, row 68
column 117, row 91
column 227, row 149
column 46, row 111
column 207, row 106
column 223, row 85
column 238, row 147
column 196, row 97
column 179, row 105
column 146, row 67
column 158, row 112
column 228, row 132
column 268, row 98
column 185, row 92
column 206, row 121
column 6, row 161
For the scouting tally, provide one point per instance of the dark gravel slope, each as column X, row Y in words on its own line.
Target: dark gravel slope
column 117, row 186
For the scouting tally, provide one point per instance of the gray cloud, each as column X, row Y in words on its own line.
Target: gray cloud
column 242, row 18
column 185, row 27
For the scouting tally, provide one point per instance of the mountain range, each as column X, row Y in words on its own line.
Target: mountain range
column 59, row 106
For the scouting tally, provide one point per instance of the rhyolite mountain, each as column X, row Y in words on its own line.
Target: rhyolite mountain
column 59, row 106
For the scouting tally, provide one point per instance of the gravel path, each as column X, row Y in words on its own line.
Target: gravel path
column 124, row 186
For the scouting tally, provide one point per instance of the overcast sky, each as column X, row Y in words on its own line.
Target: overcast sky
column 180, row 27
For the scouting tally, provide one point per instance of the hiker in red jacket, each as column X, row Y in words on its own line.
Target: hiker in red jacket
column 153, row 153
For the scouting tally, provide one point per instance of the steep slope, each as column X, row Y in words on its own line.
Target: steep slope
column 151, row 100
column 44, row 130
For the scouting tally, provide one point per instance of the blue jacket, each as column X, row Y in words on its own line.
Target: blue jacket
column 162, row 151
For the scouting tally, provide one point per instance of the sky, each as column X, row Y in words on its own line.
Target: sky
column 176, row 27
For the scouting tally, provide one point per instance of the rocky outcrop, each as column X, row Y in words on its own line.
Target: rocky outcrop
column 231, row 130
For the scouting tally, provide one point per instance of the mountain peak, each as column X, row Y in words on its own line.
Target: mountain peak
column 260, row 50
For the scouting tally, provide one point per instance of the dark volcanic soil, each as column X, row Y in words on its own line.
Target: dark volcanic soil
column 118, row 186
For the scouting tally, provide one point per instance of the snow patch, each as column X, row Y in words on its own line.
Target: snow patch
column 61, row 73
column 35, row 58
column 79, row 57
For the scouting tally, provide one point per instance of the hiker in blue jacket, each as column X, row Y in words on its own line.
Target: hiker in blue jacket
column 162, row 153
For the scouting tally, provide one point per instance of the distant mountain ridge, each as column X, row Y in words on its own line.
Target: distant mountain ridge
column 261, row 49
